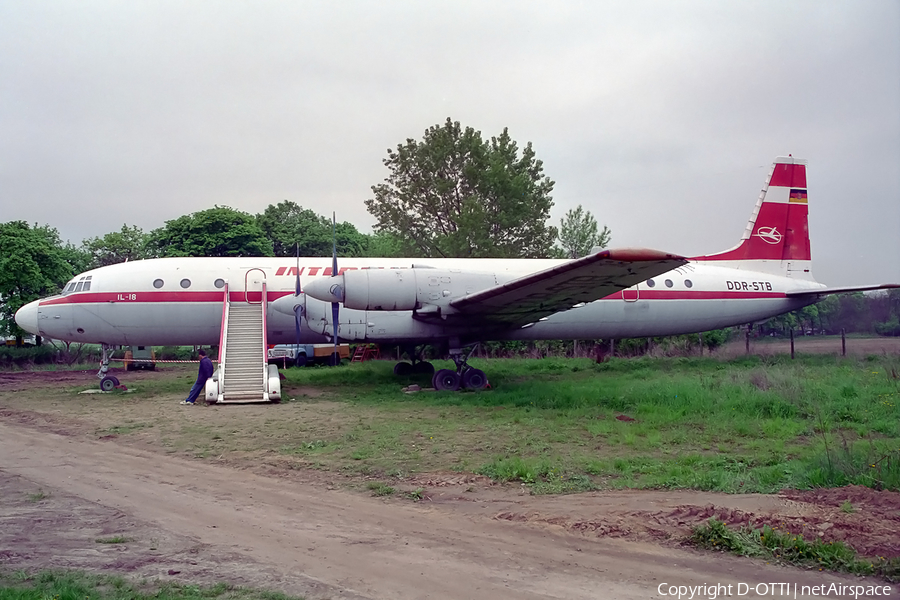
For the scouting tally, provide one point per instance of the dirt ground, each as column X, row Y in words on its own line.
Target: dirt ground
column 64, row 484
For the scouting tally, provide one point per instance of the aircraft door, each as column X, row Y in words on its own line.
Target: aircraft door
column 254, row 280
column 632, row 294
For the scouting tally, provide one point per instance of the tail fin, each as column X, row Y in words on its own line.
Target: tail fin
column 776, row 239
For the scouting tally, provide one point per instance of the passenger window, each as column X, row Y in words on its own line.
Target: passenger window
column 185, row 283
column 688, row 283
column 220, row 283
column 669, row 283
column 651, row 283
column 158, row 283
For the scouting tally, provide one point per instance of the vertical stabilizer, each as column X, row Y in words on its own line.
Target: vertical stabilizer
column 776, row 239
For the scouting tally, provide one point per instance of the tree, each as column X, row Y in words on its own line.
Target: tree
column 287, row 224
column 578, row 233
column 130, row 243
column 33, row 264
column 219, row 231
column 456, row 195
column 384, row 245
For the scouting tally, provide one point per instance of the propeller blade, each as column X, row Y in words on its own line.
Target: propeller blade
column 297, row 290
column 335, row 307
column 334, row 267
column 297, row 308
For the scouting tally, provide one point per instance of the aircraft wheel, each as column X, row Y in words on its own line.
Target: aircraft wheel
column 301, row 360
column 403, row 368
column 474, row 379
column 108, row 384
column 446, row 380
column 423, row 368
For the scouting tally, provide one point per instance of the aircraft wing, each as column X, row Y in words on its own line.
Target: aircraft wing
column 840, row 290
column 529, row 298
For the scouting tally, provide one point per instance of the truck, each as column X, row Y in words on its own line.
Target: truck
column 305, row 354
column 140, row 357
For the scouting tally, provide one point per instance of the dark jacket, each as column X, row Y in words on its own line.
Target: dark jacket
column 206, row 369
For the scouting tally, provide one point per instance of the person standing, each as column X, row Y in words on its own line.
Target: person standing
column 206, row 371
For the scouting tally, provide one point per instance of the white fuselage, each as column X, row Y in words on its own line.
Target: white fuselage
column 178, row 301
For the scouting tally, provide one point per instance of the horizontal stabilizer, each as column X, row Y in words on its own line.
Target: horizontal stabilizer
column 529, row 298
column 841, row 290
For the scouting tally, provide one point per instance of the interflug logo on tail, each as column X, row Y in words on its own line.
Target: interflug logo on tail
column 769, row 235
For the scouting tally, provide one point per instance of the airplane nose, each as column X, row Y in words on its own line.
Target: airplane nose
column 27, row 317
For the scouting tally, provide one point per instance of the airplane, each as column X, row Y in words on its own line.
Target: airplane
column 453, row 303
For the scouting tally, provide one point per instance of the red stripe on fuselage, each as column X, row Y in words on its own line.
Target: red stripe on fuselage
column 645, row 294
column 216, row 297
column 141, row 297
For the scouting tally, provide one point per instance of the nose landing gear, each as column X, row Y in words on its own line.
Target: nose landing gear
column 107, row 382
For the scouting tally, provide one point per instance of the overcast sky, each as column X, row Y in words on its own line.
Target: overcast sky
column 661, row 118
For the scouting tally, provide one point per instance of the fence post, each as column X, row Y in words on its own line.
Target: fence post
column 843, row 343
column 747, row 338
column 700, row 337
column 612, row 347
column 792, row 343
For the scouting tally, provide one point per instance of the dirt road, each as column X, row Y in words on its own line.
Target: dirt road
column 203, row 522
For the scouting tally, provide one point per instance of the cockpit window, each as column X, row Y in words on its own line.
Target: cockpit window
column 82, row 285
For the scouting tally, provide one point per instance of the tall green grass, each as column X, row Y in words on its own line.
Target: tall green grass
column 754, row 424
column 78, row 585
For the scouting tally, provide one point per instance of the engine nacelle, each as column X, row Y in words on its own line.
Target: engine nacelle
column 380, row 289
column 409, row 289
column 398, row 289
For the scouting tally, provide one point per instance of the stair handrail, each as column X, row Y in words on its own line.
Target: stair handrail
column 265, row 340
column 226, row 304
column 224, row 323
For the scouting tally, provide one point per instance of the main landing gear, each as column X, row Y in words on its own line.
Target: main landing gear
column 445, row 379
column 107, row 382
column 416, row 364
column 464, row 376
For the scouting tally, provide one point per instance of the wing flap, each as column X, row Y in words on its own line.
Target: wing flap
column 529, row 298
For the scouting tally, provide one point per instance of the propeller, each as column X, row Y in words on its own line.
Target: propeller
column 298, row 308
column 336, row 289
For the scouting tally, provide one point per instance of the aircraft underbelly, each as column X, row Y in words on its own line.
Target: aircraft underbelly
column 149, row 324
column 651, row 318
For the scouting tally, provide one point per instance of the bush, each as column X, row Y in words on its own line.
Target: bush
column 27, row 356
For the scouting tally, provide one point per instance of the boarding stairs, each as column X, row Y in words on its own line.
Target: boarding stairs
column 244, row 374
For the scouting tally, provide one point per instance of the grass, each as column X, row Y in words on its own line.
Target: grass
column 752, row 424
column 380, row 489
column 70, row 585
column 748, row 425
column 38, row 496
column 785, row 547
